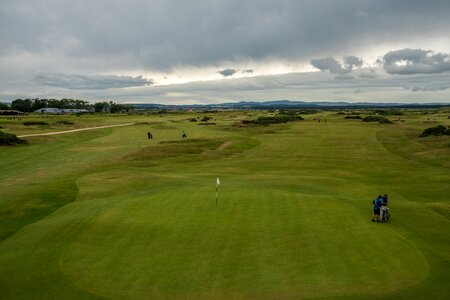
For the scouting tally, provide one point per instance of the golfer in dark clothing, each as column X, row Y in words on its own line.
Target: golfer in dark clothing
column 376, row 208
column 149, row 135
column 385, row 200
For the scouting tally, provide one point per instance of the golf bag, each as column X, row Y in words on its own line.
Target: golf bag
column 385, row 215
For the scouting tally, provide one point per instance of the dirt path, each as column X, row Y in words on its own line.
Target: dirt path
column 74, row 130
column 224, row 145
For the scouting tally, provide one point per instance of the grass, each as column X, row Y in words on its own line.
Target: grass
column 110, row 214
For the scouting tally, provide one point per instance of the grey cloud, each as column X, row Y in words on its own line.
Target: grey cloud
column 227, row 72
column 428, row 88
column 330, row 64
column 368, row 73
column 335, row 67
column 301, row 86
column 344, row 77
column 90, row 82
column 247, row 71
column 352, row 61
column 294, row 86
column 414, row 61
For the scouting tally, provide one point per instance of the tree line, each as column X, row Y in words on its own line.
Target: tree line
column 31, row 105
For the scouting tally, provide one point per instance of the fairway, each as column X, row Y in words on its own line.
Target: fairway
column 108, row 213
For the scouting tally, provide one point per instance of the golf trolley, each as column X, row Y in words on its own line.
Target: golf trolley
column 385, row 215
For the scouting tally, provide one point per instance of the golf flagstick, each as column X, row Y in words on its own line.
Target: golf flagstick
column 217, row 189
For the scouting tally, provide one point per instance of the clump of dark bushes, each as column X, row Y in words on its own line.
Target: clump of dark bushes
column 296, row 112
column 273, row 119
column 206, row 119
column 438, row 130
column 193, row 120
column 64, row 122
column 27, row 123
column 385, row 121
column 354, row 117
column 389, row 112
column 8, row 139
column 379, row 119
column 308, row 111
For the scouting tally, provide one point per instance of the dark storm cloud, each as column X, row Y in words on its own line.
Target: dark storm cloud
column 335, row 67
column 165, row 34
column 92, row 82
column 227, row 72
column 247, row 71
column 413, row 61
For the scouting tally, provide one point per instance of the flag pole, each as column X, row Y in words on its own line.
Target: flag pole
column 217, row 189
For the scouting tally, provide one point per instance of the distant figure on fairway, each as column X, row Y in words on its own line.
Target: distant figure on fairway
column 184, row 135
column 149, row 135
column 376, row 208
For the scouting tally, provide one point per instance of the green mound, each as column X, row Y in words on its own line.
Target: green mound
column 176, row 148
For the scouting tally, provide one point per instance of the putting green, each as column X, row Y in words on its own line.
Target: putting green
column 113, row 215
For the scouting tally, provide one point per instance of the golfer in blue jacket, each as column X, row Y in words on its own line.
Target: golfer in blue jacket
column 376, row 208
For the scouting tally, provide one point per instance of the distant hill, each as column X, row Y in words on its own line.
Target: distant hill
column 279, row 104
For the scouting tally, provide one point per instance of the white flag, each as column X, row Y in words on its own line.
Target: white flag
column 217, row 182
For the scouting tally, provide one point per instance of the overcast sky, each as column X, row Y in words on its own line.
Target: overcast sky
column 224, row 50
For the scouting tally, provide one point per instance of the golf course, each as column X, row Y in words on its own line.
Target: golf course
column 108, row 213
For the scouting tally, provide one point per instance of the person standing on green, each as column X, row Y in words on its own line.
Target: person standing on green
column 376, row 208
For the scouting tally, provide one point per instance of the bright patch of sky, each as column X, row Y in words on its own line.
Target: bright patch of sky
column 226, row 50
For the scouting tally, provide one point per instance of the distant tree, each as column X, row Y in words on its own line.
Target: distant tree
column 22, row 105
column 4, row 106
column 112, row 107
column 100, row 106
column 118, row 108
column 38, row 104
column 28, row 105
